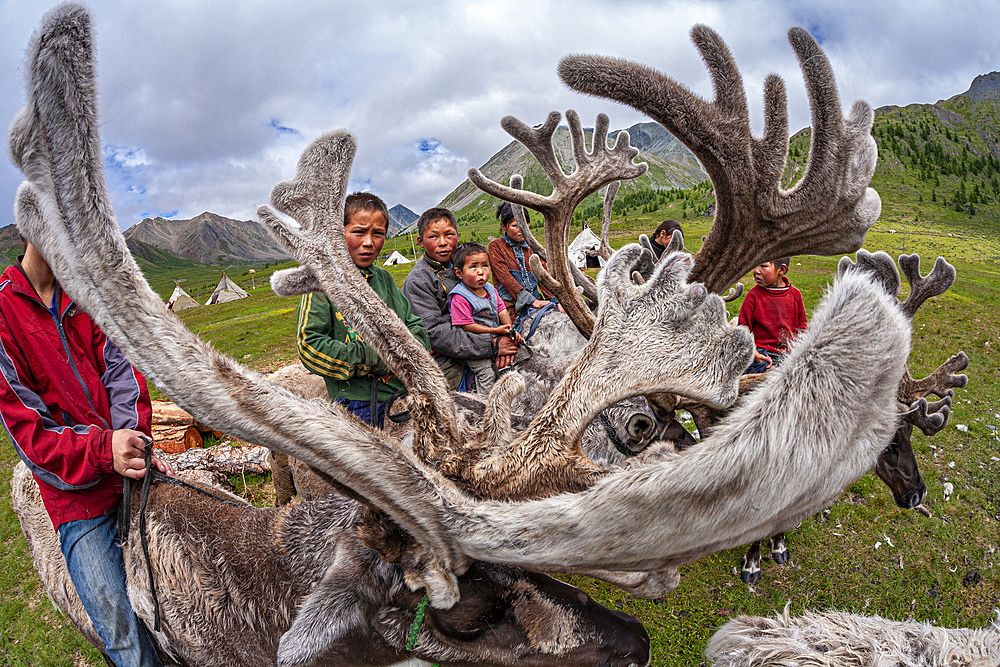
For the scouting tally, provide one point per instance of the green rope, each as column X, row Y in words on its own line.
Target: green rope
column 418, row 620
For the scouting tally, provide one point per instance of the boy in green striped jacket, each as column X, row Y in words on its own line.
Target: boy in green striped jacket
column 329, row 346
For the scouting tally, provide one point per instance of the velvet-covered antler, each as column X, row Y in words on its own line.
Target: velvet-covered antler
column 594, row 170
column 315, row 199
column 929, row 417
column 64, row 210
column 940, row 383
column 941, row 277
column 828, row 212
column 580, row 279
column 609, row 201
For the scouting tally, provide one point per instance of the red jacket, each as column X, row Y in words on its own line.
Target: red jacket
column 506, row 272
column 774, row 316
column 64, row 388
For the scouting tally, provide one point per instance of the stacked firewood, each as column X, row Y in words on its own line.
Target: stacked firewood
column 175, row 430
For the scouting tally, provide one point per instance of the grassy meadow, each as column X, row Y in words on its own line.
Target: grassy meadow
column 863, row 554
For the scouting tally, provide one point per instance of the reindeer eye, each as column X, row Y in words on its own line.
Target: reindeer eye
column 639, row 426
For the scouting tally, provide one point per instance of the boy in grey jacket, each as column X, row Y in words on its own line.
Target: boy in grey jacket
column 427, row 287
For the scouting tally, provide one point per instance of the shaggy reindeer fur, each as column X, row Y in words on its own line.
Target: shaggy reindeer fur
column 230, row 581
column 646, row 516
column 632, row 420
column 752, row 455
column 837, row 639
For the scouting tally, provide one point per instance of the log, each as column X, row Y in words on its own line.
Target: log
column 224, row 458
column 167, row 413
column 175, row 439
column 207, row 477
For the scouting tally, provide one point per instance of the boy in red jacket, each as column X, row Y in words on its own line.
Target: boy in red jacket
column 76, row 412
column 774, row 313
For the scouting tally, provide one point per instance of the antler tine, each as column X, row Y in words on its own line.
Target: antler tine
column 593, row 171
column 609, row 200
column 675, row 244
column 65, row 212
column 317, row 194
column 940, row 382
column 827, row 213
column 941, row 277
column 645, row 244
column 517, row 183
column 929, row 417
column 580, row 279
column 878, row 264
column 733, row 293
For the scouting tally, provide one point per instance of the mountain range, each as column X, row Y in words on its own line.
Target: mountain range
column 401, row 220
column 943, row 153
column 207, row 238
column 671, row 165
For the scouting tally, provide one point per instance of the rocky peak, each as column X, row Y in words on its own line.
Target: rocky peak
column 984, row 87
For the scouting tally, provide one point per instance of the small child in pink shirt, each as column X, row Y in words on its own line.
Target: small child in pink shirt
column 477, row 308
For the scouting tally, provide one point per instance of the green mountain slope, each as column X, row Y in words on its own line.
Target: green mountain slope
column 938, row 171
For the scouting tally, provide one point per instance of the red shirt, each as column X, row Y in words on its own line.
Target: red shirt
column 64, row 389
column 774, row 316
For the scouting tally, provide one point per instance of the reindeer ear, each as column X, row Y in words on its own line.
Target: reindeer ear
column 295, row 281
column 331, row 613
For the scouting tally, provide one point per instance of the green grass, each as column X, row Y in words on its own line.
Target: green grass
column 32, row 632
column 835, row 563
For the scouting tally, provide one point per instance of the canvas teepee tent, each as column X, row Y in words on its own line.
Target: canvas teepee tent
column 226, row 291
column 585, row 249
column 180, row 299
column 396, row 258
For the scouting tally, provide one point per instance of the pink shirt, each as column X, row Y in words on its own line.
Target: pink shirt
column 461, row 310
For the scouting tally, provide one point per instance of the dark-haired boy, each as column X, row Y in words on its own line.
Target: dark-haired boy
column 427, row 287
column 773, row 311
column 327, row 343
column 661, row 236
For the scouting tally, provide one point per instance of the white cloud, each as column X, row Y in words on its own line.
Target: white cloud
column 207, row 106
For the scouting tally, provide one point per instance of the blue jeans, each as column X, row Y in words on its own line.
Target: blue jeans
column 96, row 566
column 761, row 366
column 363, row 410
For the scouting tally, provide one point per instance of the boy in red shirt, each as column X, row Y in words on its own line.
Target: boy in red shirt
column 774, row 313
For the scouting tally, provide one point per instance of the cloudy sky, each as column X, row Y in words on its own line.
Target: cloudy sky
column 206, row 105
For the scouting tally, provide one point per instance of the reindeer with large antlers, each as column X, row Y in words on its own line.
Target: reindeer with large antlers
column 435, row 508
column 756, row 220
